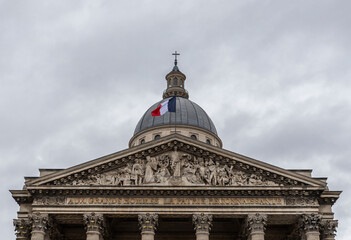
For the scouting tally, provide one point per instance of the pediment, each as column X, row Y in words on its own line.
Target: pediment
column 175, row 168
column 175, row 161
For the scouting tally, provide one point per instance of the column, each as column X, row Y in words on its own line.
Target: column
column 94, row 225
column 329, row 229
column 22, row 229
column 309, row 226
column 256, row 225
column 202, row 225
column 148, row 223
column 39, row 225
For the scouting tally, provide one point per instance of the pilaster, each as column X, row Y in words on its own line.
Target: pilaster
column 310, row 226
column 22, row 229
column 202, row 225
column 94, row 225
column 148, row 223
column 39, row 225
column 256, row 225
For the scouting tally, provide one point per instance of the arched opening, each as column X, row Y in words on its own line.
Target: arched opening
column 175, row 81
column 193, row 137
column 157, row 137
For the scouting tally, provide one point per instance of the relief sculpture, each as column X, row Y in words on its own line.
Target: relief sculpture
column 176, row 168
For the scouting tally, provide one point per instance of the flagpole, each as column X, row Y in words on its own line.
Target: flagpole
column 175, row 123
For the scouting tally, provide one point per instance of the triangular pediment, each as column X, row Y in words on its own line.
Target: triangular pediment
column 175, row 161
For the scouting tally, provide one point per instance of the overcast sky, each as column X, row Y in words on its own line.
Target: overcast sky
column 76, row 76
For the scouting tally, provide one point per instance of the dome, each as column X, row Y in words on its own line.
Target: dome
column 187, row 113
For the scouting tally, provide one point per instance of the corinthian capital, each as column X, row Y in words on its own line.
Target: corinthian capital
column 256, row 222
column 22, row 228
column 94, row 222
column 202, row 222
column 310, row 222
column 328, row 228
column 148, row 222
column 39, row 221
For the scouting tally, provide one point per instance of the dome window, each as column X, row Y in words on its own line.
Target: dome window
column 208, row 141
column 175, row 81
column 142, row 141
column 193, row 137
column 157, row 137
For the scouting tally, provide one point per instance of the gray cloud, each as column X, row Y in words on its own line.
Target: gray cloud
column 76, row 76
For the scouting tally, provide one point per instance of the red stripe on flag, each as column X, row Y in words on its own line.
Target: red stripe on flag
column 156, row 112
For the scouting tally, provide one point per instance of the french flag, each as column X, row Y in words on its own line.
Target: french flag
column 166, row 106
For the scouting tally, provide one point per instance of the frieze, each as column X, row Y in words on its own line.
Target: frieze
column 301, row 201
column 49, row 200
column 175, row 168
column 169, row 201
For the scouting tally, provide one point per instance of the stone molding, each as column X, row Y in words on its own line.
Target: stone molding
column 94, row 222
column 328, row 228
column 202, row 222
column 148, row 222
column 40, row 222
column 22, row 228
column 256, row 223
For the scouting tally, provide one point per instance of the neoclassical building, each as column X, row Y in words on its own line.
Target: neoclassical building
column 175, row 181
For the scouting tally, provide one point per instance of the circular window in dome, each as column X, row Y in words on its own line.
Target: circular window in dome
column 193, row 137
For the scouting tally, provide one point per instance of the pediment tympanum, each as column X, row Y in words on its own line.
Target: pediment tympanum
column 175, row 168
column 175, row 161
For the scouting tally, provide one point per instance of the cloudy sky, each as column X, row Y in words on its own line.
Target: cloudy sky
column 76, row 76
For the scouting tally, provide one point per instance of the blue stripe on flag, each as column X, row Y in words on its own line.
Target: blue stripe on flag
column 172, row 104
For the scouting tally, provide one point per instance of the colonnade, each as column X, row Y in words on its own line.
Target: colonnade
column 310, row 227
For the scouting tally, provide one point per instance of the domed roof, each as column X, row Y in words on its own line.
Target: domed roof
column 187, row 113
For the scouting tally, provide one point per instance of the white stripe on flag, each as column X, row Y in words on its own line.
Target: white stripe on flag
column 164, row 107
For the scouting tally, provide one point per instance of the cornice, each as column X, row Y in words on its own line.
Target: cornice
column 172, row 191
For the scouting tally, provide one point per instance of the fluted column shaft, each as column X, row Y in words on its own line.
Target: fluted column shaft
column 256, row 225
column 148, row 223
column 94, row 225
column 202, row 225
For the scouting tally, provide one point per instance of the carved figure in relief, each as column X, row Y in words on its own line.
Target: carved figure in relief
column 150, row 168
column 222, row 175
column 176, row 168
column 175, row 163
column 125, row 175
column 212, row 167
column 162, row 174
column 137, row 172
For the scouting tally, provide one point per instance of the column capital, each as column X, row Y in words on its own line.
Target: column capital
column 94, row 222
column 148, row 222
column 310, row 222
column 328, row 228
column 256, row 223
column 202, row 222
column 22, row 228
column 39, row 221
